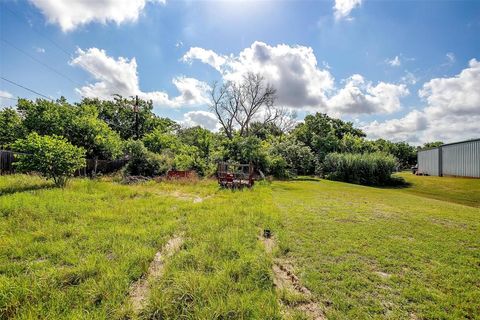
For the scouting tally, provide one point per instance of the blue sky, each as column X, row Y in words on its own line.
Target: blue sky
column 402, row 70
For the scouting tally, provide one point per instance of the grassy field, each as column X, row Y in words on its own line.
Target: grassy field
column 352, row 252
column 459, row 190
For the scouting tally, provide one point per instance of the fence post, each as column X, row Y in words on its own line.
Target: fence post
column 440, row 162
column 95, row 164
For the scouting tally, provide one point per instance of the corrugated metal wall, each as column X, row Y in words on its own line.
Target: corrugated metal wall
column 457, row 159
column 462, row 159
column 428, row 162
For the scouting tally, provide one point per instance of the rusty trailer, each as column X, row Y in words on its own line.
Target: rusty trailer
column 235, row 175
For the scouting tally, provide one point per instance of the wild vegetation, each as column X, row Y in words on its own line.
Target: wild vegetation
column 339, row 250
column 300, row 248
column 252, row 129
column 367, row 168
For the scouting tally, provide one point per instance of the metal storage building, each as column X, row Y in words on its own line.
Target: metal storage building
column 453, row 159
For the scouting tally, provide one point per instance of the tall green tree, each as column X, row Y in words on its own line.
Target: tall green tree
column 202, row 139
column 46, row 117
column 11, row 127
column 123, row 116
column 323, row 134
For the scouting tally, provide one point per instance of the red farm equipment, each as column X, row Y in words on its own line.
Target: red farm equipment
column 234, row 175
column 180, row 174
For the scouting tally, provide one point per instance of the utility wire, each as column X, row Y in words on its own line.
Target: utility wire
column 59, row 47
column 26, row 88
column 41, row 62
column 38, row 32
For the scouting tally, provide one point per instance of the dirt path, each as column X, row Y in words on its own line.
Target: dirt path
column 285, row 279
column 140, row 290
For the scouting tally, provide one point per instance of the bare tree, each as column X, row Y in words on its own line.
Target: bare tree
column 284, row 119
column 255, row 95
column 225, row 103
column 236, row 105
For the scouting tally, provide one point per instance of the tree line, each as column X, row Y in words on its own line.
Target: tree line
column 253, row 129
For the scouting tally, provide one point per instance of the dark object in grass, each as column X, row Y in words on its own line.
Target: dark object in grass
column 415, row 169
column 267, row 233
column 134, row 179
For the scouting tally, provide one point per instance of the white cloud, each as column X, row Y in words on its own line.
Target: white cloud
column 204, row 119
column 6, row 99
column 450, row 57
column 452, row 112
column 459, row 95
column 71, row 14
column 361, row 97
column 395, row 62
column 5, row 94
column 300, row 82
column 206, row 56
column 343, row 8
column 39, row 50
column 119, row 76
column 292, row 70
column 409, row 78
column 403, row 129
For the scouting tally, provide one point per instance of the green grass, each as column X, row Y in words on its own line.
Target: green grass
column 74, row 253
column 363, row 252
column 379, row 253
column 459, row 190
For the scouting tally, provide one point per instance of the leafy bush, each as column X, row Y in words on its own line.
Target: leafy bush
column 143, row 162
column 298, row 158
column 245, row 150
column 368, row 168
column 277, row 166
column 52, row 156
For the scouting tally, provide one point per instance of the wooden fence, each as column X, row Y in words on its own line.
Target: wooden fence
column 6, row 161
column 93, row 166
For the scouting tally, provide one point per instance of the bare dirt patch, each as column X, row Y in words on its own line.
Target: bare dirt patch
column 140, row 290
column 285, row 279
column 188, row 197
column 383, row 275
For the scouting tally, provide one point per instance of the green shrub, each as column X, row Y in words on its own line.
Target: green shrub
column 142, row 162
column 277, row 166
column 367, row 168
column 52, row 156
column 298, row 158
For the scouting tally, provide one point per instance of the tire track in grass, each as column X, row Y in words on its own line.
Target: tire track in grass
column 293, row 296
column 140, row 290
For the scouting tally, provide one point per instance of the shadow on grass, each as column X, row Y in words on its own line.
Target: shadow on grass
column 393, row 183
column 24, row 188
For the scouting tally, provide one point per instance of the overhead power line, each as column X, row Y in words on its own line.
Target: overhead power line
column 54, row 43
column 26, row 88
column 16, row 15
column 40, row 62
